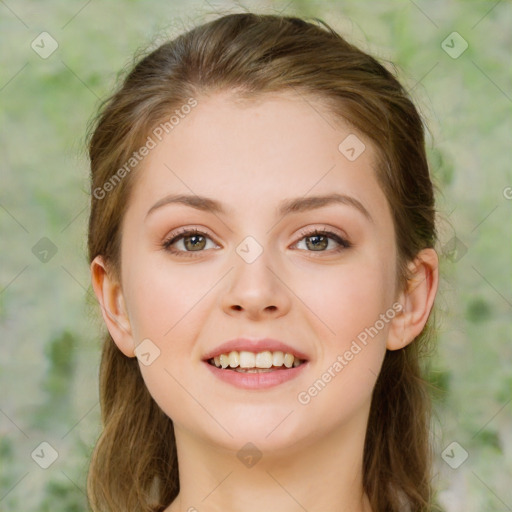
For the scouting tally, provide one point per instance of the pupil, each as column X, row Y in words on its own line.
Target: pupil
column 196, row 239
column 317, row 243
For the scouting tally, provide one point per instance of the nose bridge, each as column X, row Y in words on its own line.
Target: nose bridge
column 254, row 283
column 254, row 262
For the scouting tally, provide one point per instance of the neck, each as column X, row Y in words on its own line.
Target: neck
column 320, row 475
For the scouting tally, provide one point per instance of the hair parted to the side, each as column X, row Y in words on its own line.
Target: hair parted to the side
column 134, row 465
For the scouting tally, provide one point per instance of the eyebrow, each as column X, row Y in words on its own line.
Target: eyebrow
column 296, row 205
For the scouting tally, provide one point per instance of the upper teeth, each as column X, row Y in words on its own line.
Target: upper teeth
column 264, row 359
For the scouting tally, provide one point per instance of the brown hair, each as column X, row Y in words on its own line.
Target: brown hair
column 134, row 464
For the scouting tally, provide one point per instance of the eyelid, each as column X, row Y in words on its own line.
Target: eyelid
column 310, row 231
column 185, row 231
column 329, row 232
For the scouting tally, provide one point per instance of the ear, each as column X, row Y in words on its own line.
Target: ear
column 110, row 296
column 417, row 300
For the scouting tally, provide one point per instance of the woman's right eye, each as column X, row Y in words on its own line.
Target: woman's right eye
column 192, row 240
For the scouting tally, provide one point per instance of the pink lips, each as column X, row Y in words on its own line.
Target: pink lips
column 253, row 345
column 255, row 380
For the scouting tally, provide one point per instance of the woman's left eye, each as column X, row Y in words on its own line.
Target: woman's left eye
column 319, row 240
column 194, row 241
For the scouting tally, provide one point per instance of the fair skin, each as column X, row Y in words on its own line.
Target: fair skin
column 250, row 157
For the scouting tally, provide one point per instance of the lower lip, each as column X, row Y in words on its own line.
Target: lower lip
column 256, row 380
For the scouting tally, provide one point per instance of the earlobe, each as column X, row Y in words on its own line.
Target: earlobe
column 113, row 308
column 417, row 300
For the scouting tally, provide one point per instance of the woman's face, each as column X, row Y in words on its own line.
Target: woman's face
column 257, row 270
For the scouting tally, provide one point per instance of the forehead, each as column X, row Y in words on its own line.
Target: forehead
column 258, row 151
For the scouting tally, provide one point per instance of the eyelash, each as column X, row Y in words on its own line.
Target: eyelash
column 187, row 232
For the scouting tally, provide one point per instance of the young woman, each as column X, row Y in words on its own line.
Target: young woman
column 261, row 240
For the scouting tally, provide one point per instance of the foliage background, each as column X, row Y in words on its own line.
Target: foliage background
column 48, row 321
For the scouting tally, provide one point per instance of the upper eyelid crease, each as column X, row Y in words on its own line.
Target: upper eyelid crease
column 304, row 233
column 300, row 204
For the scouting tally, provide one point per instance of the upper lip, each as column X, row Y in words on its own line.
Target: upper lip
column 254, row 345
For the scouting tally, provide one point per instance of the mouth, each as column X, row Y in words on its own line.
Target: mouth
column 256, row 362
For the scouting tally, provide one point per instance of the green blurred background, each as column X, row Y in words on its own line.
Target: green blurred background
column 50, row 330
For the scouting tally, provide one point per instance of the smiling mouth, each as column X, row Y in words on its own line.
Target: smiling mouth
column 251, row 362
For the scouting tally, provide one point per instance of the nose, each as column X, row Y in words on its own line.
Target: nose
column 257, row 289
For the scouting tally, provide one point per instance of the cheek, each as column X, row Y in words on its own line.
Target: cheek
column 349, row 299
column 354, row 319
column 161, row 301
column 166, row 307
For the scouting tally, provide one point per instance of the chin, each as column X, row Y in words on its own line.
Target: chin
column 268, row 430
